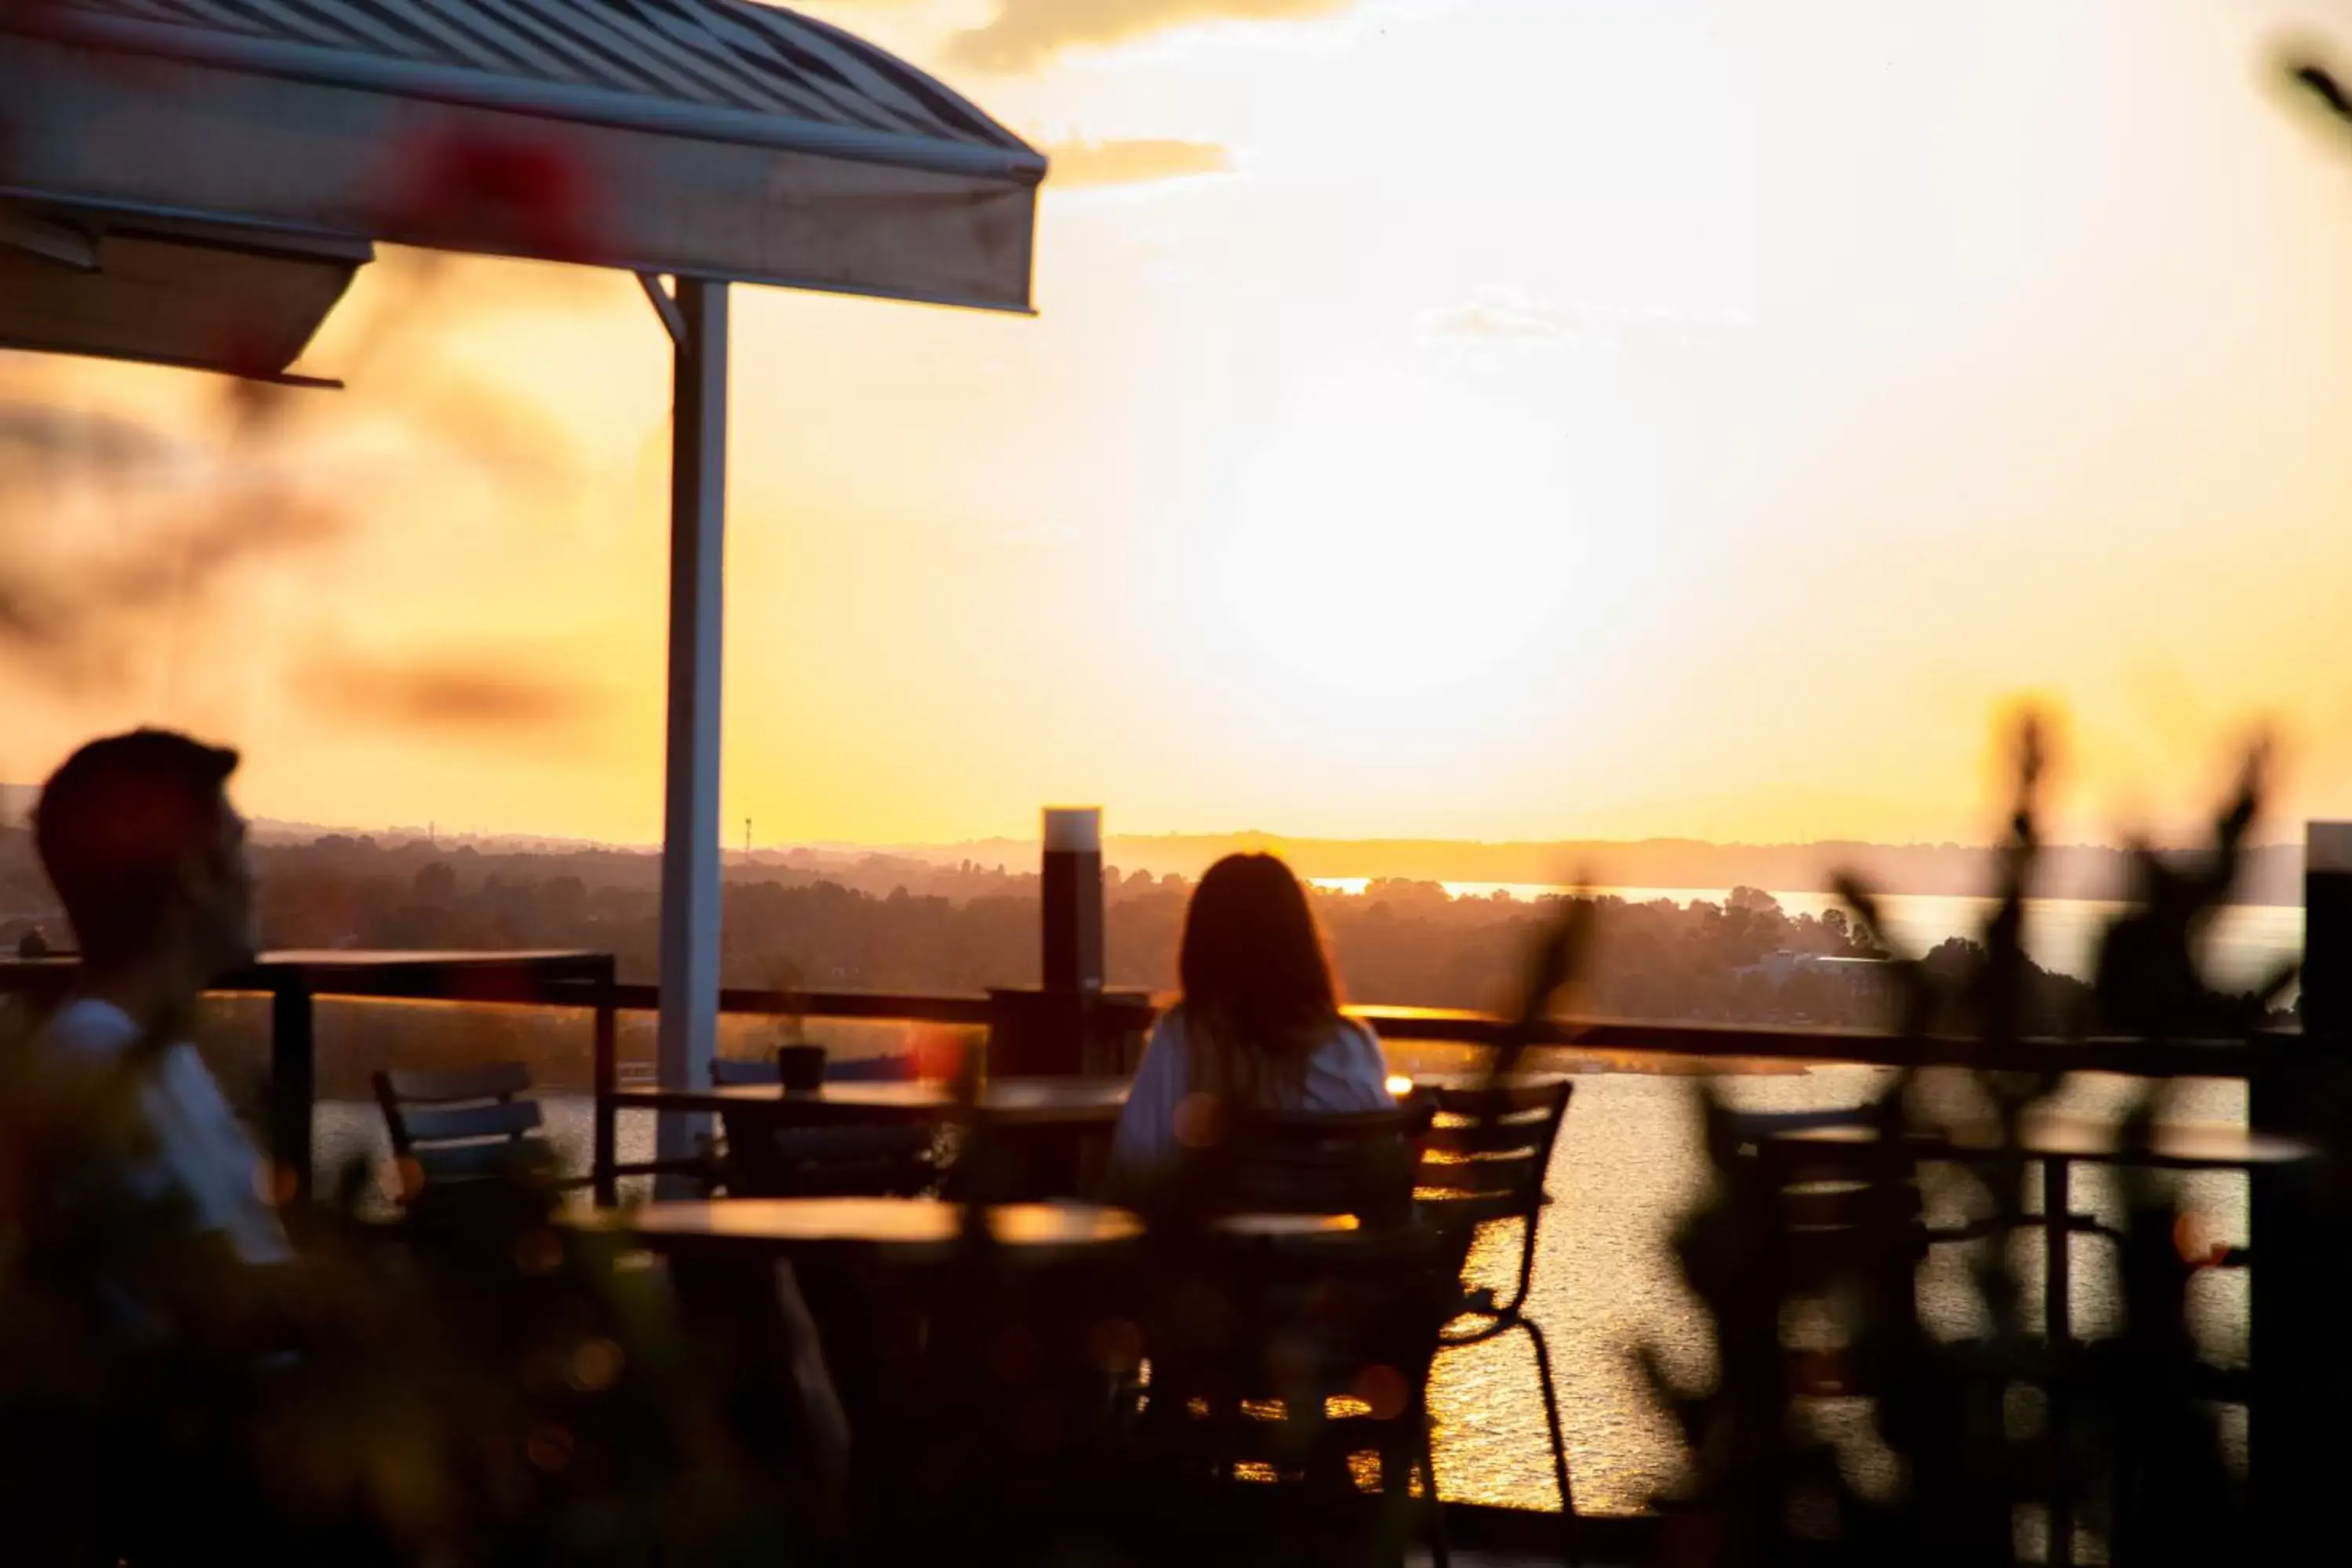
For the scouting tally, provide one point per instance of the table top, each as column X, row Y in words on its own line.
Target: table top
column 555, row 976
column 1522, row 1081
column 1286, row 1226
column 800, row 1224
column 360, row 960
column 2178, row 1145
column 1039, row 1100
column 398, row 958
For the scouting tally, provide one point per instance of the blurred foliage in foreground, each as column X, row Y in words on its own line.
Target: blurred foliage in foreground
column 476, row 1385
column 1842, row 1426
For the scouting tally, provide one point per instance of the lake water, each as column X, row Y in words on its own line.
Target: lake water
column 2246, row 942
column 1627, row 1168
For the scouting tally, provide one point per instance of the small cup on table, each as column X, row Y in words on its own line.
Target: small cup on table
column 802, row 1067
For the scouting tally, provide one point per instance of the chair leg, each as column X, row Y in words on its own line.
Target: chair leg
column 1441, row 1550
column 1558, row 1445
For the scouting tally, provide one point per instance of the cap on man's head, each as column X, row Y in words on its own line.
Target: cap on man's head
column 116, row 822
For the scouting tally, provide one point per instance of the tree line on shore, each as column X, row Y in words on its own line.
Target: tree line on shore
column 891, row 924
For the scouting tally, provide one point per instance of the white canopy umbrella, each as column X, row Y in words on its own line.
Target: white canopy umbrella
column 195, row 183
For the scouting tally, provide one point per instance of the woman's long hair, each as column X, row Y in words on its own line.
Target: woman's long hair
column 1258, row 993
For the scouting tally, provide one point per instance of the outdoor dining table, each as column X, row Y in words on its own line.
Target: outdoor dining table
column 1284, row 1227
column 1025, row 1101
column 786, row 1225
column 1073, row 1110
column 295, row 980
column 2057, row 1143
column 908, row 1227
column 2062, row 1141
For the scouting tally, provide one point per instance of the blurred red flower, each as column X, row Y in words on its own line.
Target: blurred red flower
column 472, row 188
column 41, row 18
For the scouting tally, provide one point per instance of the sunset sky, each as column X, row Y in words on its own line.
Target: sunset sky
column 1492, row 418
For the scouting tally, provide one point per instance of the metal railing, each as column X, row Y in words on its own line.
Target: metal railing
column 586, row 981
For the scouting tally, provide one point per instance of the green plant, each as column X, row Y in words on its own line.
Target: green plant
column 1960, row 1432
column 480, row 1382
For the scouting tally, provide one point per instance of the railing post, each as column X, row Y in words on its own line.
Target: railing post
column 1053, row 1029
column 2327, row 931
column 293, row 1087
column 1047, row 1030
column 603, row 1155
column 2293, row 1345
column 1071, row 883
column 2058, row 1333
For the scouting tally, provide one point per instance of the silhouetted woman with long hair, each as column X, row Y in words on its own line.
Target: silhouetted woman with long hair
column 1259, row 1027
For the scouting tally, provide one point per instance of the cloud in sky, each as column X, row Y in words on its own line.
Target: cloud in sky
column 120, row 526
column 1026, row 34
column 1142, row 160
column 442, row 692
column 43, row 440
column 180, row 520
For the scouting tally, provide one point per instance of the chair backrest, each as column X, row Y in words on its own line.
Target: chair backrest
column 1486, row 1157
column 1285, row 1358
column 731, row 1072
column 1490, row 1145
column 473, row 1124
column 1305, row 1162
column 774, row 1152
column 899, row 1068
column 769, row 1155
column 1844, row 1203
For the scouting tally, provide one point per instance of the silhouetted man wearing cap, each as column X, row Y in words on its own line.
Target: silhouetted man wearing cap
column 148, row 856
column 145, row 1201
column 161, row 1199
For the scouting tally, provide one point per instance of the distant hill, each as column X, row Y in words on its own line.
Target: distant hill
column 2274, row 872
column 2274, row 876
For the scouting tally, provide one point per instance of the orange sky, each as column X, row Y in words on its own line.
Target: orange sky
column 1507, row 418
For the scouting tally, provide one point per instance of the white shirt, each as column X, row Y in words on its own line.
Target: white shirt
column 1344, row 1073
column 195, row 1148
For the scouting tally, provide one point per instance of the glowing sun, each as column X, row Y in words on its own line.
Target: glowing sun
column 1397, row 535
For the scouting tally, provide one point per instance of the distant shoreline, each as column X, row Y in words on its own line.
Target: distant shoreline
column 1525, row 892
column 2270, row 874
